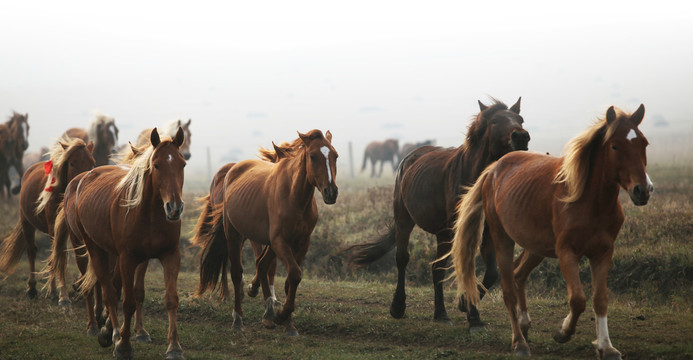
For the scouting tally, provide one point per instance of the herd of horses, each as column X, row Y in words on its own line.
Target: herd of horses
column 484, row 196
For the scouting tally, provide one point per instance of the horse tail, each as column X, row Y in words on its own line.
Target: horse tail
column 57, row 262
column 364, row 254
column 12, row 249
column 210, row 237
column 88, row 280
column 469, row 228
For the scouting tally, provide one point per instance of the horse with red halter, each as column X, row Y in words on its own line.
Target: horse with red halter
column 42, row 189
column 126, row 215
column 563, row 208
column 18, row 126
column 381, row 151
column 271, row 203
column 170, row 130
column 103, row 132
column 428, row 184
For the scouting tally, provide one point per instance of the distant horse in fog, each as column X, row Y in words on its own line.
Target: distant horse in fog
column 381, row 151
column 103, row 132
column 409, row 147
column 169, row 130
column 15, row 140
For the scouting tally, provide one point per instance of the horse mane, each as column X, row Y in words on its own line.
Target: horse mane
column 99, row 119
column 171, row 128
column 477, row 129
column 579, row 155
column 58, row 154
column 140, row 165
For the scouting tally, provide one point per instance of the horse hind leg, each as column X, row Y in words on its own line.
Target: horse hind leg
column 171, row 264
column 29, row 233
column 523, row 265
column 234, row 246
column 403, row 228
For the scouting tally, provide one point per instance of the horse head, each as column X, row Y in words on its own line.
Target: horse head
column 626, row 149
column 321, row 163
column 80, row 160
column 107, row 131
column 19, row 127
column 185, row 149
column 167, row 172
column 504, row 130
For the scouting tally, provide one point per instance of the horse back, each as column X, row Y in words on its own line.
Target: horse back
column 78, row 133
column 245, row 198
column 33, row 182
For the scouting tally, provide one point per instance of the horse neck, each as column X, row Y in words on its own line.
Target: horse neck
column 602, row 187
column 469, row 162
column 302, row 191
column 101, row 153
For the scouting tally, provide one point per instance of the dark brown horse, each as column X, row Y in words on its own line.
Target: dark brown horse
column 381, row 151
column 429, row 183
column 170, row 130
column 6, row 149
column 556, row 207
column 409, row 147
column 129, row 214
column 18, row 126
column 42, row 190
column 271, row 203
column 103, row 132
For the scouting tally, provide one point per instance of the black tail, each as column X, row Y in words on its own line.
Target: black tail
column 364, row 254
column 209, row 236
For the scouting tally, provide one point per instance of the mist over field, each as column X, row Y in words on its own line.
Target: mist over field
column 248, row 74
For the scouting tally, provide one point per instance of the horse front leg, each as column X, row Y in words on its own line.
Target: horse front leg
column 569, row 263
column 291, row 262
column 141, row 335
column 600, row 268
column 127, row 265
column 171, row 264
column 19, row 166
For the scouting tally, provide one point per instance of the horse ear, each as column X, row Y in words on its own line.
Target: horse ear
column 188, row 123
column 482, row 107
column 180, row 137
column 637, row 116
column 328, row 136
column 90, row 147
column 279, row 151
column 610, row 115
column 516, row 108
column 154, row 137
column 304, row 138
column 64, row 145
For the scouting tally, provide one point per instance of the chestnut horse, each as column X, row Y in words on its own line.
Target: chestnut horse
column 103, row 132
column 6, row 149
column 18, row 126
column 555, row 207
column 170, row 130
column 428, row 184
column 271, row 203
column 129, row 214
column 42, row 190
column 381, row 151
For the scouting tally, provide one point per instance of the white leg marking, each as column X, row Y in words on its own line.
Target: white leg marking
column 272, row 295
column 603, row 340
column 566, row 322
column 524, row 318
column 326, row 151
column 631, row 135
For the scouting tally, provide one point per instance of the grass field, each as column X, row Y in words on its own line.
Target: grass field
column 343, row 314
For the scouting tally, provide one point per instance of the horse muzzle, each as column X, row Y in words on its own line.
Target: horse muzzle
column 25, row 146
column 174, row 210
column 186, row 156
column 640, row 193
column 329, row 194
column 519, row 140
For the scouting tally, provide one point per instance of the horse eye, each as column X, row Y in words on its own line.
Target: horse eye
column 156, row 167
column 313, row 158
column 613, row 147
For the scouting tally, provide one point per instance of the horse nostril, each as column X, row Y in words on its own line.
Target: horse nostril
column 168, row 207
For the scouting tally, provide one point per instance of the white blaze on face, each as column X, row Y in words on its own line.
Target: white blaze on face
column 326, row 152
column 170, row 158
column 631, row 135
column 111, row 128
column 25, row 129
column 650, row 185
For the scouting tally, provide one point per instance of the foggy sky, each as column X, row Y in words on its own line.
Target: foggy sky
column 249, row 73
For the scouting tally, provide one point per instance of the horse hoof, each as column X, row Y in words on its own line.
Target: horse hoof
column 561, row 337
column 143, row 338
column 105, row 337
column 252, row 292
column 268, row 324
column 65, row 303
column 521, row 350
column 397, row 309
column 16, row 190
column 92, row 330
column 31, row 293
column 174, row 355
column 269, row 315
column 476, row 323
column 462, row 305
column 237, row 322
column 292, row 332
column 609, row 353
column 473, row 329
column 445, row 320
column 123, row 351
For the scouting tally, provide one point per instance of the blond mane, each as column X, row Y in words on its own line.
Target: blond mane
column 58, row 154
column 99, row 119
column 578, row 158
column 133, row 182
